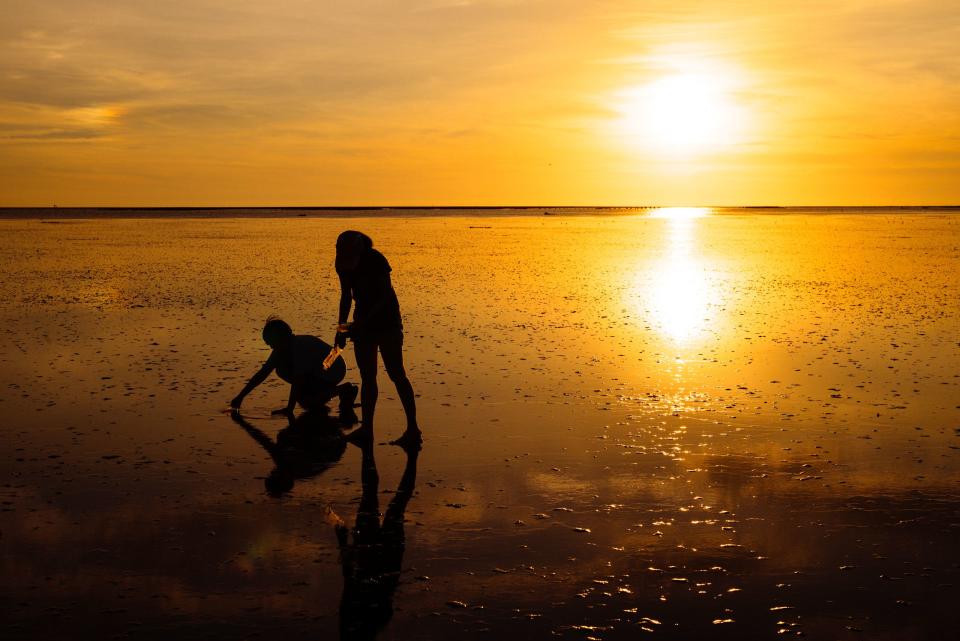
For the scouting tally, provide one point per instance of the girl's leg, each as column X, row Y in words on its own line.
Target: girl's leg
column 392, row 352
column 366, row 355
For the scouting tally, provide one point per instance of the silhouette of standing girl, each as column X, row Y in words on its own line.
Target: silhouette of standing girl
column 365, row 280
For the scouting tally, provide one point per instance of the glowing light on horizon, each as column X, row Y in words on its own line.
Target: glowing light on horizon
column 679, row 213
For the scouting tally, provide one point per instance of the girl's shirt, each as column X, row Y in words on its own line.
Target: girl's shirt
column 377, row 307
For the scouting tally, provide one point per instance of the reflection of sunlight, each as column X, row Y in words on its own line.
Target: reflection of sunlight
column 679, row 212
column 678, row 295
column 678, row 298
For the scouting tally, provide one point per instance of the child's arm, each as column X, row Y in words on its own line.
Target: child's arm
column 255, row 380
column 291, row 400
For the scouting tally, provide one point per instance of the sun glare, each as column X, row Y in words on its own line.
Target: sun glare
column 682, row 114
column 679, row 213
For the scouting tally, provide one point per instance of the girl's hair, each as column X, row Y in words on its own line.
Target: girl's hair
column 275, row 328
column 350, row 244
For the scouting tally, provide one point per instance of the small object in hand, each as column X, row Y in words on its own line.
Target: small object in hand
column 332, row 357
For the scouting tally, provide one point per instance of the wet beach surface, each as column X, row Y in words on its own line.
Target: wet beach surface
column 738, row 425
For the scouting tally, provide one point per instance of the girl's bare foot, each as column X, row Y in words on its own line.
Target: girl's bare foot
column 411, row 439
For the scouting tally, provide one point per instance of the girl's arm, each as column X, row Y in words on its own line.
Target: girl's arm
column 346, row 299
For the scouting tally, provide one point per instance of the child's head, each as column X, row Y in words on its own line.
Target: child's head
column 276, row 331
column 278, row 483
column 350, row 246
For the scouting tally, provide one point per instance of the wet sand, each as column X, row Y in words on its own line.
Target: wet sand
column 739, row 426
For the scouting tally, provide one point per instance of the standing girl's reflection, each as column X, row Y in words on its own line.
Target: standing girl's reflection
column 371, row 561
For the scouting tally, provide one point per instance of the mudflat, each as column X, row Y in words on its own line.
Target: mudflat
column 679, row 423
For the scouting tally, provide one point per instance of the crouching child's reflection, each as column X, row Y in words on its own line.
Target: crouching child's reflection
column 371, row 553
column 311, row 443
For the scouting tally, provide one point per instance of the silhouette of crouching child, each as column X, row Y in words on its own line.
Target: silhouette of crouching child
column 298, row 360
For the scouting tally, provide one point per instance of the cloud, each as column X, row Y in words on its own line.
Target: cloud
column 56, row 134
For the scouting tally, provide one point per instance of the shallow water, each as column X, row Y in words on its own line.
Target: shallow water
column 739, row 425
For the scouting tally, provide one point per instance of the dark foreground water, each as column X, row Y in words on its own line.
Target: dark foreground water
column 679, row 424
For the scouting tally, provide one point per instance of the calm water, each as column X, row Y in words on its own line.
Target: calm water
column 675, row 424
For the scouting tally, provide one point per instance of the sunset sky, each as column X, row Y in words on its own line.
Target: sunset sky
column 485, row 102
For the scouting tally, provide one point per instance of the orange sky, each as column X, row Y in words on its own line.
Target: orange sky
column 486, row 102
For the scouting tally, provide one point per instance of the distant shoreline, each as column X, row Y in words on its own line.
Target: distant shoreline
column 28, row 213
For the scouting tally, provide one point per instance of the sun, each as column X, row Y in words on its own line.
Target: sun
column 682, row 114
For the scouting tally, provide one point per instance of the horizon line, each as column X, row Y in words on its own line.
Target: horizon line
column 428, row 207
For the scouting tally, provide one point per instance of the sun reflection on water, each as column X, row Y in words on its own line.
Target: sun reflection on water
column 678, row 294
column 679, row 213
